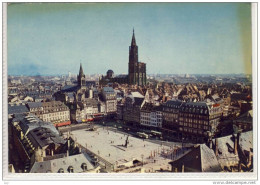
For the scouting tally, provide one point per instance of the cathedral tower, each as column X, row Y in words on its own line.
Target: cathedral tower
column 133, row 61
column 81, row 77
column 136, row 70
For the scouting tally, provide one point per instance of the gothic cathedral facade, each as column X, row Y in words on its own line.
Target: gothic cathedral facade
column 136, row 70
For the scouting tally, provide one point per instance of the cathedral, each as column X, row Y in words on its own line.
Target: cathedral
column 136, row 70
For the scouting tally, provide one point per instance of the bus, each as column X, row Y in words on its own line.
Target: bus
column 155, row 133
column 142, row 135
column 97, row 117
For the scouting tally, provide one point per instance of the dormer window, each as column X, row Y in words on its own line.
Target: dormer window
column 84, row 166
column 61, row 170
column 70, row 169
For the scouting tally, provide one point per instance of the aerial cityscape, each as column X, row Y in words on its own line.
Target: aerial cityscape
column 150, row 118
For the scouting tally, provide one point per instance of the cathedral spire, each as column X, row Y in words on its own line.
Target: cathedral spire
column 133, row 39
column 81, row 73
column 81, row 77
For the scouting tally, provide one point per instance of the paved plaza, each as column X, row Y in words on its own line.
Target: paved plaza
column 110, row 145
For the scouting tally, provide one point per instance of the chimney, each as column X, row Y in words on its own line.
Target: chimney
column 210, row 143
column 209, row 140
column 216, row 146
column 239, row 166
column 68, row 143
column 235, row 144
column 249, row 158
column 238, row 137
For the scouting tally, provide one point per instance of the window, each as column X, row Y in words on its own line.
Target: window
column 84, row 166
column 61, row 170
column 70, row 169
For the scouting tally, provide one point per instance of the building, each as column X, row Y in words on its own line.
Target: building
column 200, row 159
column 78, row 163
column 70, row 94
column 120, row 111
column 81, row 78
column 233, row 153
column 151, row 116
column 55, row 112
column 109, row 97
column 136, row 70
column 198, row 119
column 41, row 149
column 17, row 109
column 85, row 110
column 245, row 121
column 33, row 139
column 170, row 123
column 132, row 108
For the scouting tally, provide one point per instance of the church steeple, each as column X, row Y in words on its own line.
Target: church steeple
column 81, row 77
column 133, row 39
column 81, row 73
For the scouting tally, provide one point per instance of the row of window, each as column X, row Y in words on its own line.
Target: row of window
column 170, row 115
column 195, row 126
column 56, row 118
column 148, row 123
column 170, row 110
column 204, row 122
column 56, row 114
column 45, row 109
column 190, row 130
column 192, row 116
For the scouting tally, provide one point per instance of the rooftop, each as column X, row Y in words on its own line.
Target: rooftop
column 42, row 136
column 53, row 166
column 17, row 109
column 30, row 122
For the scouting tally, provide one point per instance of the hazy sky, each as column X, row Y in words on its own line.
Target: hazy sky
column 53, row 38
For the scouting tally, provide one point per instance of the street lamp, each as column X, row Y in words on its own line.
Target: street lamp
column 142, row 159
column 182, row 144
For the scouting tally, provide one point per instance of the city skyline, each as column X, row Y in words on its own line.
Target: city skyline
column 173, row 38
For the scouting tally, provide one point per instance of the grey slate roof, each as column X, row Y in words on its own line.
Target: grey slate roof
column 91, row 102
column 17, row 109
column 150, row 107
column 226, row 151
column 42, row 136
column 246, row 141
column 54, row 165
column 138, row 101
column 121, row 76
column 34, row 104
column 247, row 117
column 70, row 88
column 209, row 162
column 108, row 90
column 200, row 159
column 195, row 107
column 30, row 122
column 174, row 103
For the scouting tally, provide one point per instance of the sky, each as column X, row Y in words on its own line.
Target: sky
column 172, row 38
